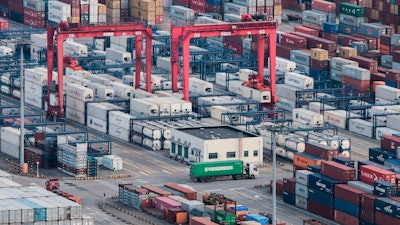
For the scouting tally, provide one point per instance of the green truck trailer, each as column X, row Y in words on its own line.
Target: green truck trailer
column 236, row 169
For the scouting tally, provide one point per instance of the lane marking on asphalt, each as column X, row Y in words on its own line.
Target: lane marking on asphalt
column 166, row 171
column 141, row 172
column 138, row 166
column 170, row 167
column 240, row 193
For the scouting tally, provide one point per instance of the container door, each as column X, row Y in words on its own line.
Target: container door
column 186, row 152
column 179, row 150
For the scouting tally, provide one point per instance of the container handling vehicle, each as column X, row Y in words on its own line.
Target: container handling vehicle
column 236, row 169
column 53, row 186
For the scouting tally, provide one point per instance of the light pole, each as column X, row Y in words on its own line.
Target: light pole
column 37, row 169
column 21, row 137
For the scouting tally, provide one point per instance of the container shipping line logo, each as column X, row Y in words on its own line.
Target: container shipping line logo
column 218, row 168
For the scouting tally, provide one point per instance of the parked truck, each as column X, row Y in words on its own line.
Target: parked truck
column 236, row 169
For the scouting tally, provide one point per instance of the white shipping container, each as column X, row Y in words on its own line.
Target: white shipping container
column 383, row 131
column 289, row 92
column 301, row 202
column 307, row 117
column 387, row 92
column 181, row 12
column 393, row 122
column 314, row 17
column 262, row 96
column 75, row 49
column 10, row 134
column 75, row 104
column 39, row 40
column 79, row 92
column 232, row 18
column 298, row 80
column 6, row 51
column 119, row 132
column 97, row 124
column 121, row 90
column 236, row 86
column 140, row 106
column 58, row 11
column 223, row 78
column 120, row 119
column 286, row 104
column 284, row 65
column 186, row 107
column 356, row 72
column 112, row 162
column 118, row 55
column 336, row 118
column 318, row 107
column 10, row 148
column 361, row 127
column 32, row 88
column 244, row 74
column 35, row 76
column 300, row 57
column 163, row 107
column 140, row 93
column 34, row 100
column 101, row 92
column 301, row 190
column 337, row 63
column 235, row 9
column 155, row 80
column 73, row 79
column 164, row 63
column 75, row 115
column 200, row 86
column 100, row 110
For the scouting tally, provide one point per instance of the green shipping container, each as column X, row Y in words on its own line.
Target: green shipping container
column 352, row 10
column 221, row 216
column 218, row 168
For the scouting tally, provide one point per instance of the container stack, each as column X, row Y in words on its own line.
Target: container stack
column 336, row 65
column 350, row 18
column 198, row 6
column 325, row 8
column 92, row 167
column 289, row 191
column 93, row 11
column 330, row 31
column 73, row 159
column 301, row 188
column 144, row 10
column 102, row 17
column 119, row 125
column 356, row 77
column 38, row 45
column 35, row 13
column 97, row 115
column 182, row 16
column 113, row 11
column 383, row 12
column 60, row 11
column 9, row 138
column 76, row 99
column 319, row 65
column 147, row 136
column 124, row 10
column 35, row 86
column 16, row 10
column 133, row 196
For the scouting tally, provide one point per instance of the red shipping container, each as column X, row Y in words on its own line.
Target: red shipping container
column 382, row 70
column 124, row 13
column 398, row 182
column 33, row 22
column 344, row 218
column 211, row 8
column 306, row 30
column 288, row 4
column 331, row 37
column 160, row 19
column 234, row 47
column 369, row 64
column 181, row 2
column 321, row 151
column 3, row 24
column 315, row 42
column 394, row 49
column 162, row 202
column 377, row 77
column 157, row 190
column 289, row 185
column 34, row 14
column 371, row 41
column 368, row 174
column 361, row 3
column 346, row 40
column 383, row 219
column 319, row 209
column 200, row 221
column 293, row 40
column 349, row 194
column 323, row 6
column 393, row 75
column 189, row 194
column 16, row 6
column 313, row 26
column 338, row 171
column 85, row 9
column 360, row 85
column 198, row 6
column 367, row 215
column 283, row 51
column 390, row 143
column 319, row 65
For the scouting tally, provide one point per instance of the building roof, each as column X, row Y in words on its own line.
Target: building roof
column 216, row 132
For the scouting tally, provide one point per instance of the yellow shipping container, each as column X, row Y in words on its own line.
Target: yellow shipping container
column 319, row 54
column 113, row 4
column 113, row 12
column 149, row 16
column 113, row 19
column 277, row 10
column 146, row 5
column 159, row 3
column 368, row 3
column 75, row 19
column 102, row 9
column 347, row 52
column 159, row 11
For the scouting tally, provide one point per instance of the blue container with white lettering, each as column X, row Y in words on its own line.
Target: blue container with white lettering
column 388, row 207
column 379, row 155
column 384, row 189
column 321, row 197
column 319, row 75
column 329, row 27
column 258, row 218
column 391, row 83
column 346, row 207
column 314, row 168
column 289, row 198
column 321, row 183
column 344, row 161
column 394, row 164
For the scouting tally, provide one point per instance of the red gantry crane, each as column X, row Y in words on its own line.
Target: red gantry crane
column 182, row 35
column 57, row 35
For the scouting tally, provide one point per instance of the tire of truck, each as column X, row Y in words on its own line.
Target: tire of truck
column 253, row 177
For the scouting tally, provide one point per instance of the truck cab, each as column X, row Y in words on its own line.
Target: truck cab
column 251, row 171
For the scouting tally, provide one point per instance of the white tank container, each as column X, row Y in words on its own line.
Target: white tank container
column 262, row 96
column 387, row 92
column 146, row 130
column 112, row 162
column 166, row 144
column 296, row 144
column 143, row 107
column 79, row 92
column 75, row 115
column 118, row 132
column 336, row 118
column 75, row 104
column 383, row 131
column 361, row 127
column 5, row 89
column 307, row 117
column 96, row 123
column 200, row 86
column 155, row 145
column 5, row 79
column 121, row 90
column 164, row 107
column 299, row 81
column 137, row 139
column 101, row 92
column 75, row 49
column 120, row 119
column 119, row 56
column 284, row 65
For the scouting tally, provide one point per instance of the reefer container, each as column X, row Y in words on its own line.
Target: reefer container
column 369, row 174
column 320, row 150
column 307, row 117
column 298, row 80
column 96, row 123
column 74, row 49
column 79, row 92
column 140, row 106
column 76, row 104
column 35, row 76
column 387, row 92
column 101, row 92
column 357, row 73
column 200, row 86
column 119, row 56
column 337, row 118
column 300, row 56
column 119, row 132
column 235, row 168
column 313, row 17
column 121, row 90
column 120, row 119
column 302, row 176
column 360, row 126
column 75, row 115
column 112, row 162
column 163, row 107
column 284, row 65
column 338, row 171
column 262, row 96
column 100, row 110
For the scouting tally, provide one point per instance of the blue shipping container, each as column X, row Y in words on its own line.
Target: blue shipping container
column 371, row 30
column 39, row 212
column 214, row 2
column 347, row 29
column 390, row 83
column 332, row 28
column 258, row 218
column 344, row 161
column 385, row 189
column 347, row 207
column 394, row 164
column 360, row 46
column 322, row 183
column 379, row 155
column 319, row 75
column 321, row 197
column 367, row 162
column 303, row 69
column 240, row 208
column 289, row 198
column 314, row 168
column 388, row 207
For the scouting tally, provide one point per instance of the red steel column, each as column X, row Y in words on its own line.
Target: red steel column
column 261, row 55
column 175, row 32
column 148, row 61
column 185, row 58
column 60, row 68
column 138, row 55
column 272, row 68
column 50, row 61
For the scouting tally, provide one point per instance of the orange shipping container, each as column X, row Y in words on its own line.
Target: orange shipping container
column 303, row 160
column 377, row 83
column 384, row 49
column 145, row 5
column 113, row 4
column 181, row 218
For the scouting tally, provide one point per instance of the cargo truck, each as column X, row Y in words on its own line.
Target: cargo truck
column 236, row 169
